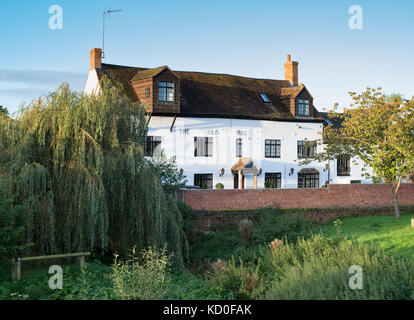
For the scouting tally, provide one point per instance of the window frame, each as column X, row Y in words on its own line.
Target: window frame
column 167, row 88
column 308, row 180
column 203, row 146
column 200, row 178
column 274, row 177
column 343, row 166
column 239, row 147
column 151, row 145
column 303, row 105
column 276, row 152
column 306, row 149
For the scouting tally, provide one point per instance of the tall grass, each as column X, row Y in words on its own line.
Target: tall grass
column 317, row 268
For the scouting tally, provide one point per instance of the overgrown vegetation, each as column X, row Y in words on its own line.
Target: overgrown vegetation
column 308, row 267
column 143, row 276
column 78, row 162
column 317, row 268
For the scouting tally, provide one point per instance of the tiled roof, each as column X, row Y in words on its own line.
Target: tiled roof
column 335, row 121
column 212, row 94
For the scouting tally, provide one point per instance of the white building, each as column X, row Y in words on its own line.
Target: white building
column 227, row 129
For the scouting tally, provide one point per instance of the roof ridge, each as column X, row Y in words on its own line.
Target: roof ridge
column 199, row 72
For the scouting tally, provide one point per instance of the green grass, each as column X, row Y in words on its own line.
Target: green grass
column 394, row 237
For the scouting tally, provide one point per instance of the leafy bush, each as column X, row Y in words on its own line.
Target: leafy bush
column 274, row 223
column 246, row 229
column 236, row 281
column 219, row 186
column 186, row 286
column 142, row 277
column 317, row 268
column 269, row 184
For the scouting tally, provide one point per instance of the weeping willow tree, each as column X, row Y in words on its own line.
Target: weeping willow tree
column 78, row 161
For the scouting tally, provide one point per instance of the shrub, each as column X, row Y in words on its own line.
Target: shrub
column 317, row 268
column 274, row 223
column 171, row 178
column 142, row 277
column 269, row 184
column 236, row 281
column 246, row 229
column 219, row 186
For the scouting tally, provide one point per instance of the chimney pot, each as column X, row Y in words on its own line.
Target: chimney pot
column 95, row 58
column 288, row 57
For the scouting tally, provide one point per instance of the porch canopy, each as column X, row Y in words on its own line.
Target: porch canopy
column 243, row 167
column 308, row 170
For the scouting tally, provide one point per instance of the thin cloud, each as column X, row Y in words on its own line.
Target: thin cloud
column 44, row 77
column 22, row 86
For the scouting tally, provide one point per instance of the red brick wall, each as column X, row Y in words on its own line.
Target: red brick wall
column 346, row 195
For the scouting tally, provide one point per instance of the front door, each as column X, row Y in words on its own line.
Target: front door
column 236, row 181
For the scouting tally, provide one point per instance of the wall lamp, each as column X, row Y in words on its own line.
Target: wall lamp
column 326, row 167
column 291, row 171
column 222, row 172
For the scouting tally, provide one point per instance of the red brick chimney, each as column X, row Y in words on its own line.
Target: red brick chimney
column 96, row 58
column 291, row 71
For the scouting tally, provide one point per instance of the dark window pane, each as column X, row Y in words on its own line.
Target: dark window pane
column 152, row 146
column 343, row 166
column 308, row 180
column 306, row 149
column 272, row 148
column 303, row 107
column 274, row 179
column 204, row 181
column 239, row 147
column 203, row 147
column 166, row 91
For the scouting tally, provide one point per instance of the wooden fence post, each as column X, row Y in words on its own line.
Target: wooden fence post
column 16, row 269
column 82, row 262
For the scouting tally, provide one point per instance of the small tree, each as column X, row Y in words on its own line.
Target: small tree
column 378, row 132
column 171, row 178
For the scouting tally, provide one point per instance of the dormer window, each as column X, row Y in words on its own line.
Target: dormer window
column 166, row 91
column 264, row 98
column 303, row 107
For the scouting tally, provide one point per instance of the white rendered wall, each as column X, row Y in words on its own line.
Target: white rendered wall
column 92, row 84
column 180, row 142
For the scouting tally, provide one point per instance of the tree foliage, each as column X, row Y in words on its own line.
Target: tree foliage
column 3, row 111
column 378, row 132
column 12, row 223
column 79, row 162
column 171, row 178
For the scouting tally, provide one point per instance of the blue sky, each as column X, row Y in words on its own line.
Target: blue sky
column 248, row 38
